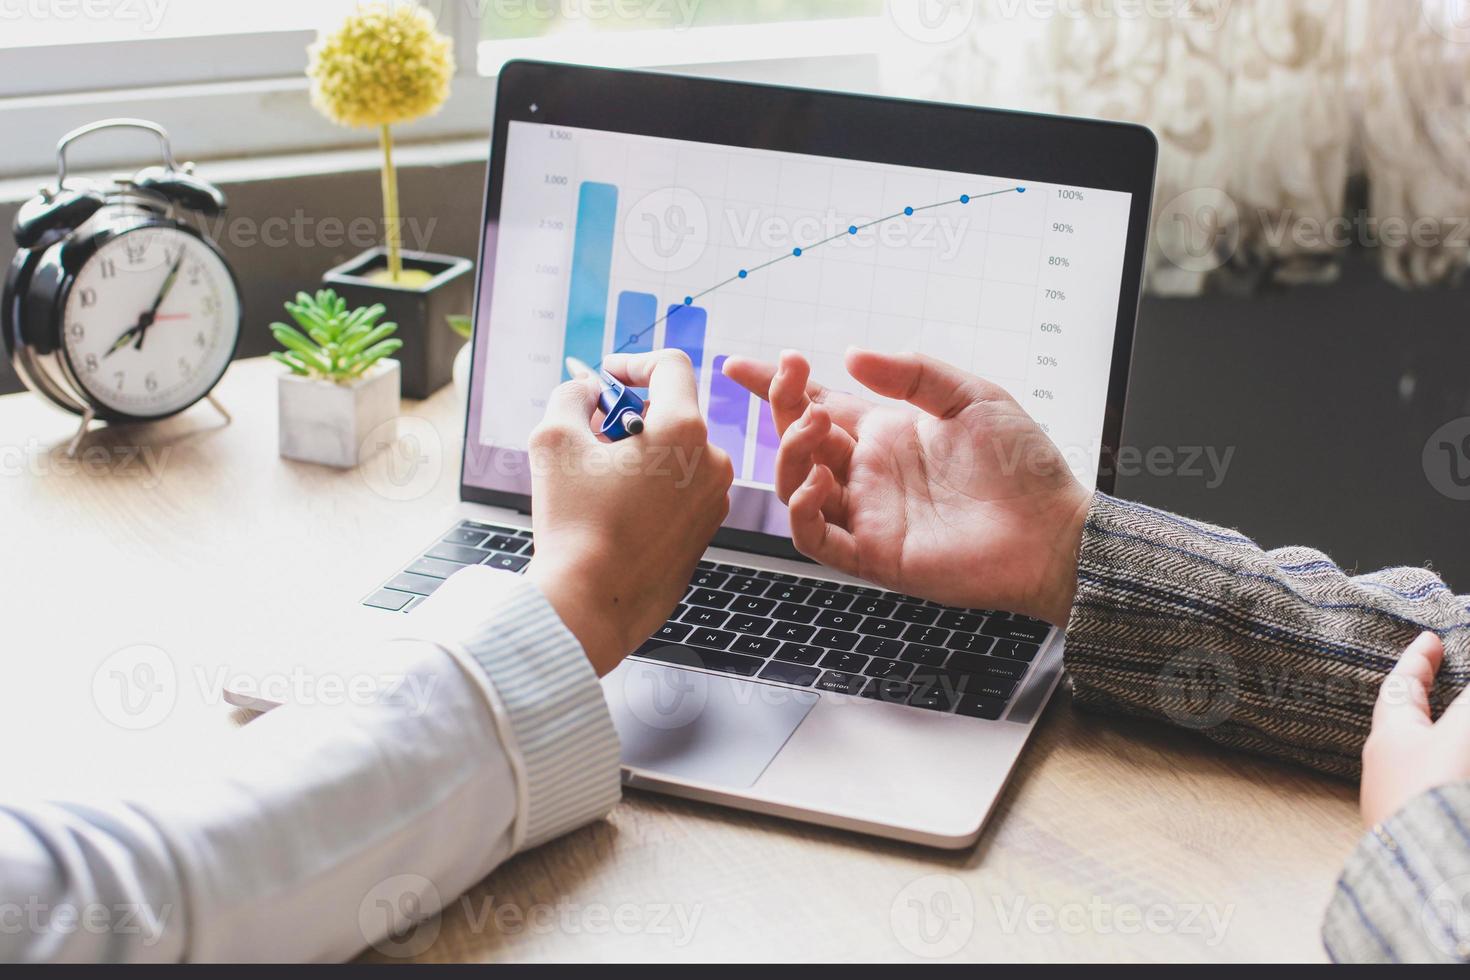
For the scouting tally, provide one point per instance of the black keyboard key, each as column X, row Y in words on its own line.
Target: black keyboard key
column 795, row 632
column 459, row 553
column 970, row 642
column 707, row 580
column 943, row 682
column 509, row 563
column 749, row 624
column 929, row 636
column 796, row 614
column 873, row 626
column 877, row 646
column 434, row 567
column 519, row 532
column 718, row 660
column 466, row 536
column 932, row 699
column 388, row 599
column 889, row 690
column 416, row 584
column 672, row 632
column 823, row 599
column 789, row 593
column 752, row 605
column 838, row 620
column 964, row 622
column 708, row 566
column 835, row 639
column 709, row 598
column 916, row 614
column 924, row 656
column 700, row 616
column 1015, row 650
column 837, row 682
column 1027, row 630
column 848, row 663
column 478, row 526
column 785, row 673
column 799, row 653
column 716, row 639
column 874, row 607
column 860, row 590
column 756, row 646
column 889, row 668
column 986, row 667
column 998, row 689
column 746, row 585
column 506, row 542
column 973, row 706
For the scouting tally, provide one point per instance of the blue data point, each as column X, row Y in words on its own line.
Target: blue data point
column 1020, row 190
column 796, row 251
column 852, row 229
column 743, row 273
column 964, row 199
column 908, row 210
column 688, row 300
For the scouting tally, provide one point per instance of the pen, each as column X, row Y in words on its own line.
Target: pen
column 620, row 404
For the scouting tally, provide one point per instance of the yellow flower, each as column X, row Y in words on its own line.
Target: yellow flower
column 385, row 65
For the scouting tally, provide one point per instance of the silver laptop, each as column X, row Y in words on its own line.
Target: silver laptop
column 632, row 211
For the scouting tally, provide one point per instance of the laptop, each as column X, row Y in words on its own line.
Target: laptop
column 630, row 211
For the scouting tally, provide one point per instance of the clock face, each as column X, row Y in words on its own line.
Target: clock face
column 150, row 322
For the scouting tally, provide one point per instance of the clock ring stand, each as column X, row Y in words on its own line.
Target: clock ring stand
column 92, row 256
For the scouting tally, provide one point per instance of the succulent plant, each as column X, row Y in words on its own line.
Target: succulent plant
column 333, row 343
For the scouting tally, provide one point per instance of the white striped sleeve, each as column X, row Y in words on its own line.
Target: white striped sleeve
column 548, row 705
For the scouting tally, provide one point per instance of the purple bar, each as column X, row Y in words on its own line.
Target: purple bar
column 729, row 409
column 766, row 442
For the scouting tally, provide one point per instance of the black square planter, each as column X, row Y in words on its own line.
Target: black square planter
column 422, row 312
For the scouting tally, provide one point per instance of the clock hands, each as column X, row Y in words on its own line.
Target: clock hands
column 138, row 331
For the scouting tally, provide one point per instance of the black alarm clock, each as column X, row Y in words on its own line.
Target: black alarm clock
column 116, row 306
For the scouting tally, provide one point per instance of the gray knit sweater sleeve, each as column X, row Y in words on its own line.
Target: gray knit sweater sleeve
column 1282, row 653
column 1277, row 652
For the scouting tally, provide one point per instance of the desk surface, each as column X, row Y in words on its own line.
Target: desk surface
column 1116, row 839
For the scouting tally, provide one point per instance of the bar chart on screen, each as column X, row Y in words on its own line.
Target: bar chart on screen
column 619, row 243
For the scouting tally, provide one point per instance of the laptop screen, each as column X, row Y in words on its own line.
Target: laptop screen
column 611, row 241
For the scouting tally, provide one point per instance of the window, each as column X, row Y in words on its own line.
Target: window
column 201, row 66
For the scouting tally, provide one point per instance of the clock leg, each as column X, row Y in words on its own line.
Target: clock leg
column 219, row 408
column 88, row 417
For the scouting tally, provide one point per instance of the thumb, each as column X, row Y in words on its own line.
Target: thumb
column 924, row 382
column 572, row 403
column 1404, row 694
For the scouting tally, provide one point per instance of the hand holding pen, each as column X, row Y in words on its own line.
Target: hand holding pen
column 622, row 409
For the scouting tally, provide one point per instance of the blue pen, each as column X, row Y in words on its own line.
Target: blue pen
column 620, row 404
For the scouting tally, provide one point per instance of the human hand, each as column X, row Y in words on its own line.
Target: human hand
column 961, row 499
column 620, row 525
column 1407, row 752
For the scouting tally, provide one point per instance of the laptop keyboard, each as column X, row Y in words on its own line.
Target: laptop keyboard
column 790, row 629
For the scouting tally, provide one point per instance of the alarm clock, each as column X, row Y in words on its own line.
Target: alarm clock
column 116, row 307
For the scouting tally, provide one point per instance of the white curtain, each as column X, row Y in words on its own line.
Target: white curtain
column 1264, row 110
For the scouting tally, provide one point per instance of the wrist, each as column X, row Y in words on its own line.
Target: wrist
column 1059, row 586
column 572, row 593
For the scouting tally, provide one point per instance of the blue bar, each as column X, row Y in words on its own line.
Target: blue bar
column 633, row 329
column 729, row 413
column 597, row 213
column 684, row 329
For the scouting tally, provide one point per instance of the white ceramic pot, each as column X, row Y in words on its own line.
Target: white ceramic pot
column 461, row 374
column 338, row 424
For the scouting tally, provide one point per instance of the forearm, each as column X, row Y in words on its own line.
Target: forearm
column 324, row 826
column 1403, row 892
column 1278, row 652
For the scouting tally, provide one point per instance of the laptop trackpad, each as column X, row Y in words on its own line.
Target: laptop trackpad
column 706, row 728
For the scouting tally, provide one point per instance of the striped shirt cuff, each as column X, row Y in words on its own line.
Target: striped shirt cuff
column 1403, row 893
column 555, row 723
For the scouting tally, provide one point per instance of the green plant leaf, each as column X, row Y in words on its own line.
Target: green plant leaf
column 374, row 354
column 461, row 324
column 296, row 368
column 362, row 343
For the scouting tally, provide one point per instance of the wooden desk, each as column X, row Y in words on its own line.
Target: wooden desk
column 1116, row 840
